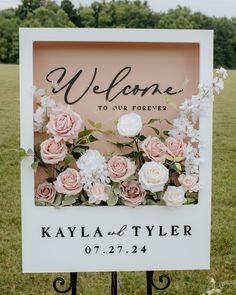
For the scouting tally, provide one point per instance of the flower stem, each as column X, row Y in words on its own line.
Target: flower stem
column 138, row 150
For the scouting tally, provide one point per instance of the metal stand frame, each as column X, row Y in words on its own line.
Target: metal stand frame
column 163, row 279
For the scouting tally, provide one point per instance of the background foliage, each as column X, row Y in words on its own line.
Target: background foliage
column 112, row 14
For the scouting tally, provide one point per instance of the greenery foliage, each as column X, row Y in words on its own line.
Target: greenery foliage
column 112, row 14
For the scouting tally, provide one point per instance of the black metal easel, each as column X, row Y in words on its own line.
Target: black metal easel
column 149, row 280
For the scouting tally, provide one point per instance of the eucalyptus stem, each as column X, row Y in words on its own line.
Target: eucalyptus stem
column 139, row 158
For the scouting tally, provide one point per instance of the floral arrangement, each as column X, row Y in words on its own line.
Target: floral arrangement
column 156, row 170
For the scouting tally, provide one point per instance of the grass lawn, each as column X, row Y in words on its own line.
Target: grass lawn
column 223, row 247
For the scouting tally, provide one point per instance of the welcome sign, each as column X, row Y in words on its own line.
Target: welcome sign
column 117, row 183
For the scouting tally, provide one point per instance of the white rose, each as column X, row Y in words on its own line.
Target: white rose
column 174, row 196
column 189, row 182
column 97, row 193
column 153, row 176
column 129, row 125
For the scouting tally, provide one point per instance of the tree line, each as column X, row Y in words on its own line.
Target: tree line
column 112, row 14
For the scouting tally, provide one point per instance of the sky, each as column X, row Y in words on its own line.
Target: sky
column 209, row 7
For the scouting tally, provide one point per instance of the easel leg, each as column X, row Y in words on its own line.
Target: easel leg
column 60, row 282
column 114, row 283
column 150, row 283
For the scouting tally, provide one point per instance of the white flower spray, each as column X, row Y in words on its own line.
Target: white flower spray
column 184, row 127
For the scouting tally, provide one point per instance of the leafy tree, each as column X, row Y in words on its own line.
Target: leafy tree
column 44, row 17
column 86, row 17
column 28, row 6
column 69, row 8
column 9, row 36
column 179, row 18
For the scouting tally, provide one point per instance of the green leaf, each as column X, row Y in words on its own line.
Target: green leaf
column 177, row 167
column 34, row 165
column 57, row 201
column 121, row 145
column 178, row 159
column 171, row 101
column 83, row 198
column 155, row 129
column 142, row 137
column 98, row 125
column 151, row 121
column 167, row 121
column 92, row 138
column 112, row 199
column 107, row 132
column 166, row 132
column 68, row 200
column 93, row 124
column 22, row 153
column 67, row 160
column 38, row 203
column 134, row 154
column 29, row 153
column 50, row 179
column 85, row 132
column 169, row 158
column 78, row 150
column 116, row 190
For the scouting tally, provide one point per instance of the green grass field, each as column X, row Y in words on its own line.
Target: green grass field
column 223, row 247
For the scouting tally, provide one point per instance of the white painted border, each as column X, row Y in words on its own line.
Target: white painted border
column 200, row 215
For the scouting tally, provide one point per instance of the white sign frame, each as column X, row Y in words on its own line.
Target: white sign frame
column 169, row 253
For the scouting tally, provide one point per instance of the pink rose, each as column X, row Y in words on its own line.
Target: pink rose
column 97, row 193
column 45, row 192
column 120, row 168
column 154, row 149
column 53, row 152
column 68, row 182
column 175, row 147
column 132, row 193
column 189, row 182
column 64, row 125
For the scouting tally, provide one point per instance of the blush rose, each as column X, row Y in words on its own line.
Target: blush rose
column 189, row 182
column 120, row 168
column 154, row 149
column 64, row 125
column 68, row 182
column 174, row 147
column 97, row 193
column 45, row 192
column 53, row 152
column 132, row 193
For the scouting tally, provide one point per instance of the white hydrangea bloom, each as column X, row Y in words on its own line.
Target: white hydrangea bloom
column 93, row 168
